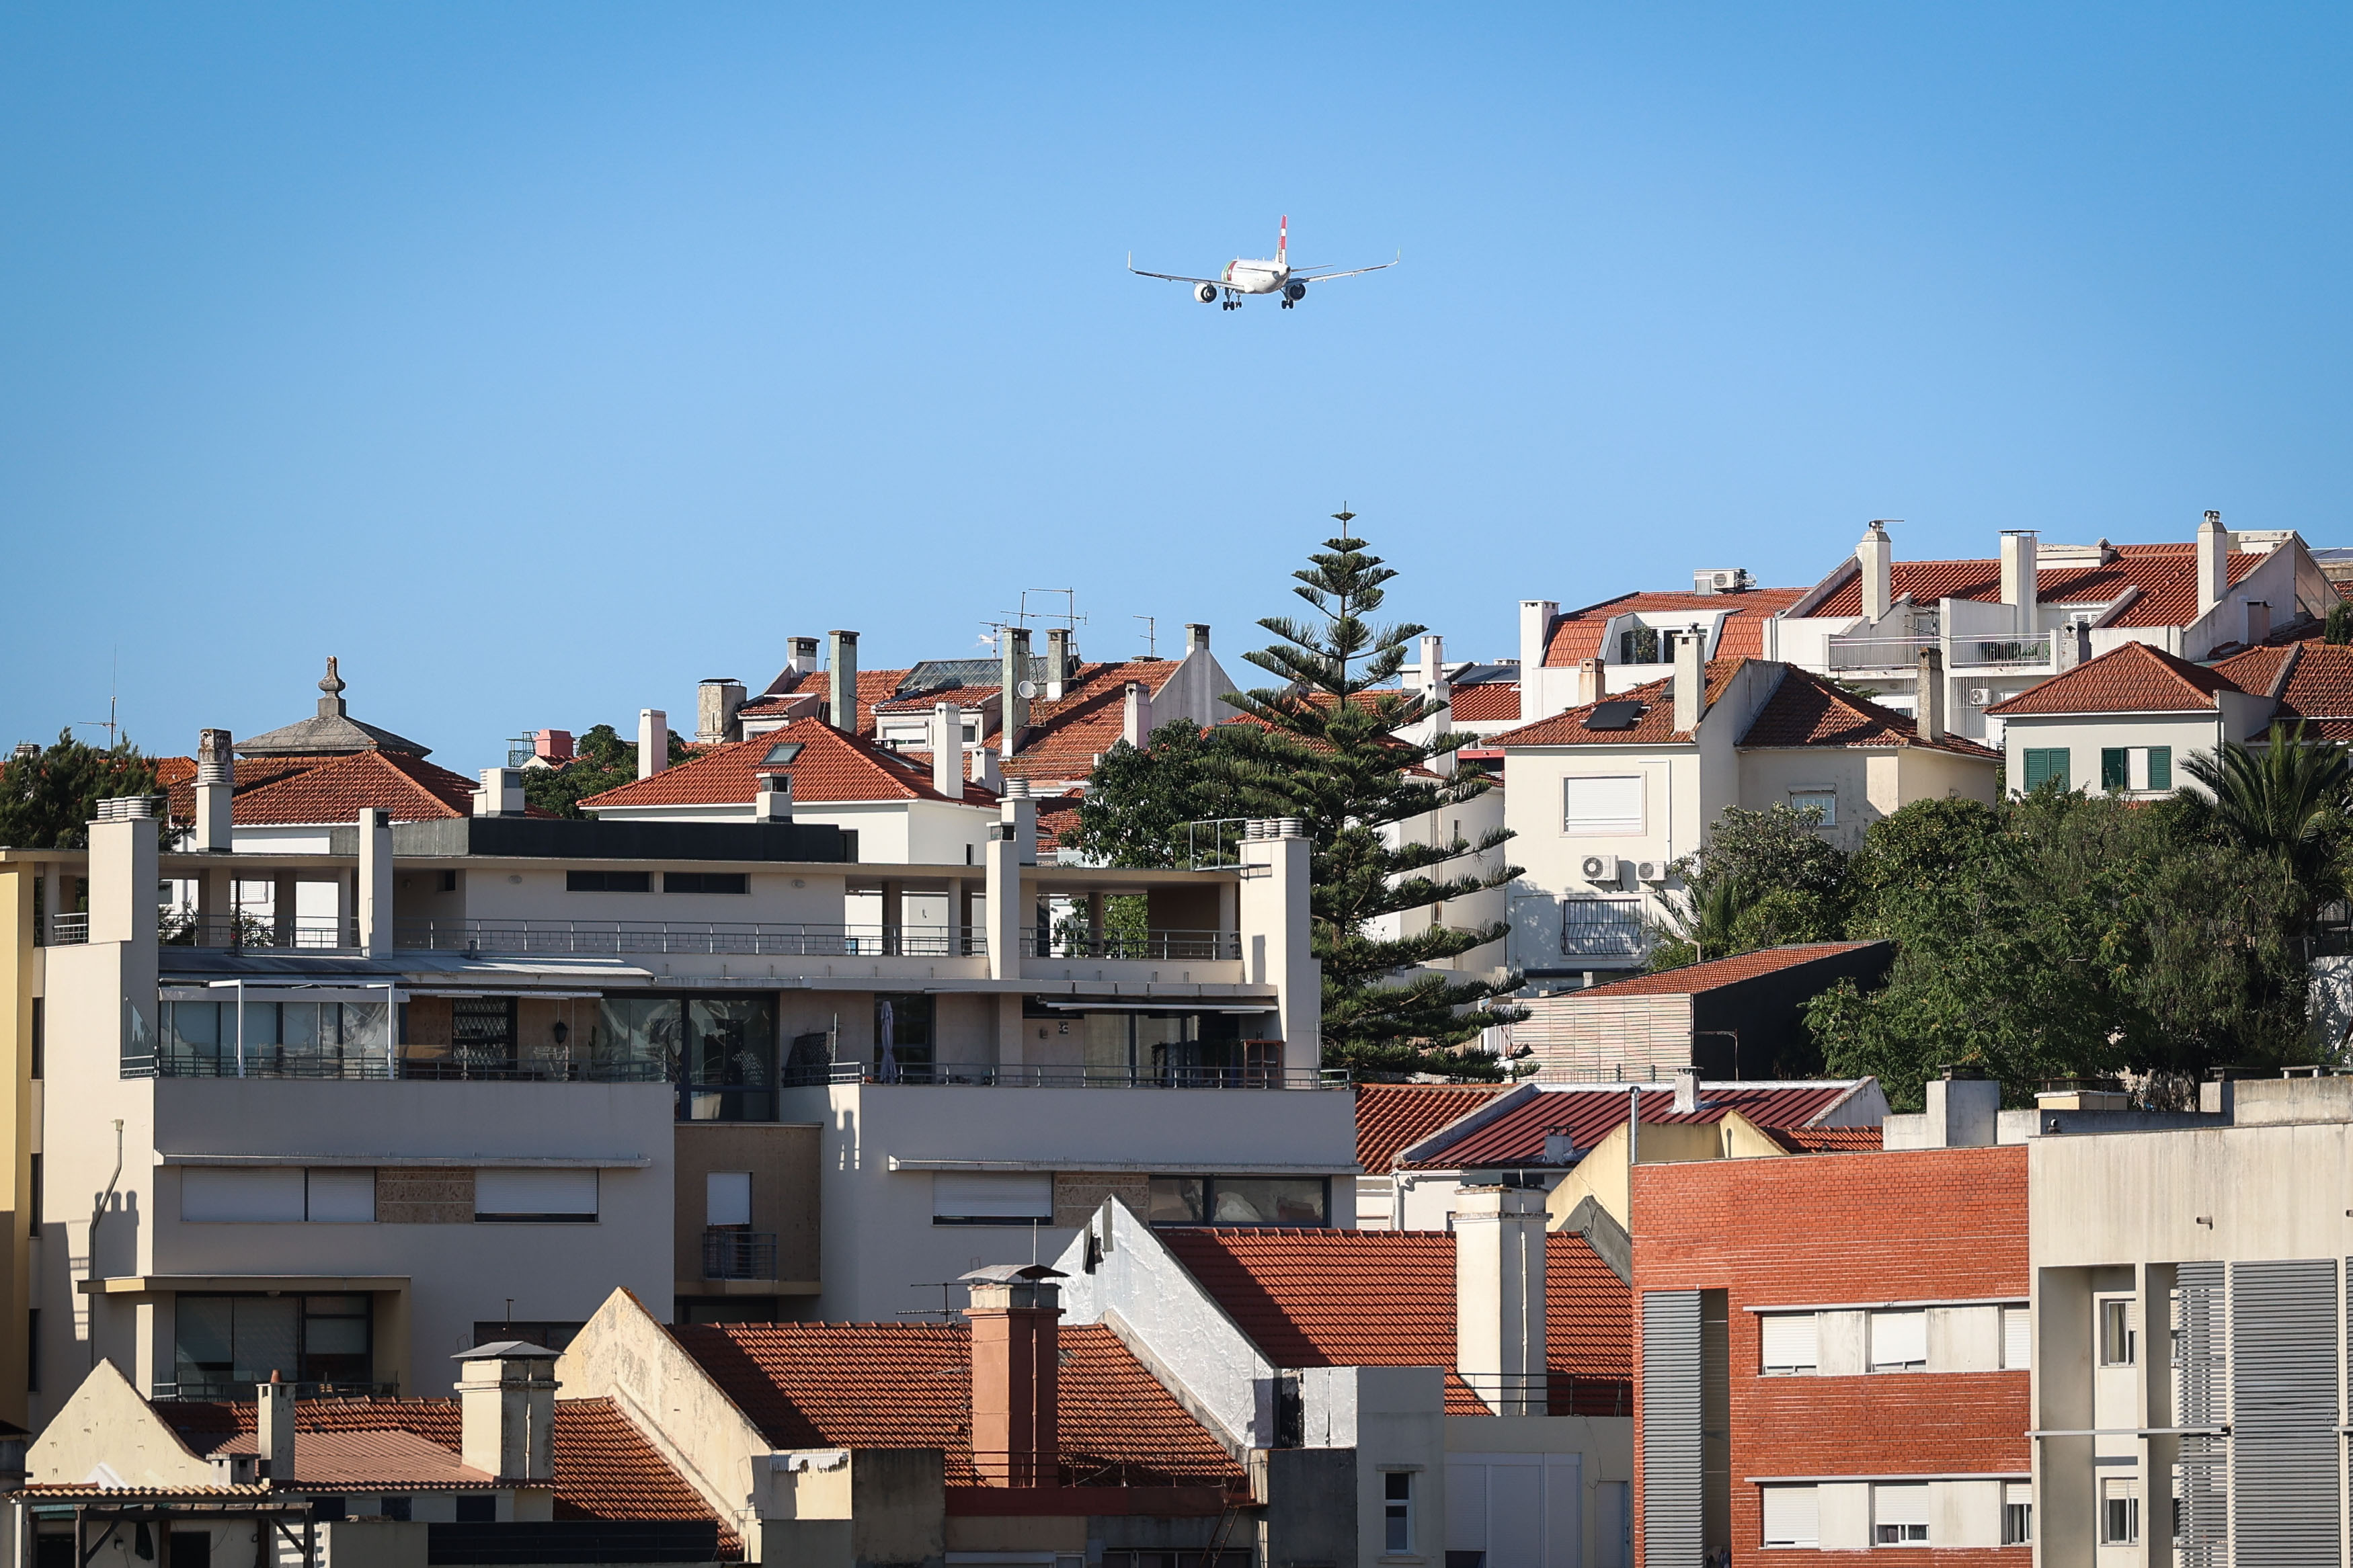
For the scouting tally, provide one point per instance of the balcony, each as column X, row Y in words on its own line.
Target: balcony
column 1877, row 653
column 290, row 933
column 1055, row 1075
column 732, row 939
column 1975, row 653
column 739, row 1254
column 1157, row 946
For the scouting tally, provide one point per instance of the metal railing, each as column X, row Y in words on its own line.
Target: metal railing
column 739, row 1254
column 1143, row 1469
column 65, row 930
column 745, row 939
column 289, row 933
column 381, row 1063
column 1970, row 652
column 1150, row 945
column 1027, row 1075
column 1557, row 1393
column 1876, row 653
column 246, row 1392
column 1603, row 928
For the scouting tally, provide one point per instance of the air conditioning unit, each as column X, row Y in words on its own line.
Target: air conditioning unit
column 1651, row 870
column 1601, row 868
column 1980, row 696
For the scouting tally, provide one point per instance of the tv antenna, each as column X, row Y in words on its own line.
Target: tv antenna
column 1068, row 616
column 113, row 690
column 1151, row 635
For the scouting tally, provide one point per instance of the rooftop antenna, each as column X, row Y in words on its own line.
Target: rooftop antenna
column 1151, row 635
column 113, row 686
column 1067, row 615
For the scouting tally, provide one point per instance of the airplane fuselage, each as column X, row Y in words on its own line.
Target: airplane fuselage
column 1255, row 277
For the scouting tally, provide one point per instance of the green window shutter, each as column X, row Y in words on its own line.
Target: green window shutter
column 2043, row 764
column 2115, row 768
column 2161, row 767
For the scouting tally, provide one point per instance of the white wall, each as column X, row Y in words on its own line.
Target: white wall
column 2084, row 735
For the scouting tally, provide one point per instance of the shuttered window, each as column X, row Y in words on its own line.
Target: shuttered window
column 545, row 1196
column 2283, row 1372
column 1611, row 804
column 1899, row 1341
column 2017, row 1513
column 727, row 1198
column 2119, row 1510
column 1013, row 1198
column 1792, row 1516
column 267, row 1195
column 2115, row 768
column 1899, row 1513
column 2160, row 768
column 1672, row 1442
column 1792, row 1342
column 2046, row 765
column 2017, row 1339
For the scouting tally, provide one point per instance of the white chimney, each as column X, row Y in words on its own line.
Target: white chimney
column 1691, row 678
column 1876, row 556
column 375, row 908
column 948, row 750
column 773, row 802
column 984, row 769
column 1592, row 686
column 653, row 741
column 715, row 702
column 1197, row 638
column 1057, row 661
column 501, row 793
column 1964, row 1110
column 506, row 1410
column 273, row 1418
column 216, row 792
column 1499, row 1296
column 1537, row 616
column 1929, row 700
column 2020, row 588
column 1559, row 1146
column 2214, row 562
column 1686, row 1090
column 1135, row 723
column 800, row 654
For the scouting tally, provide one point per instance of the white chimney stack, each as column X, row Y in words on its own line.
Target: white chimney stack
column 1013, row 674
column 1197, row 638
column 984, row 769
column 506, row 1411
column 653, row 741
column 1057, row 661
column 2214, row 562
column 1686, row 1090
column 800, row 654
column 1135, row 723
column 1691, row 678
column 773, row 802
column 1537, row 616
column 273, row 1418
column 2021, row 586
column 216, row 792
column 1591, row 685
column 1876, row 556
column 1499, row 1296
column 501, row 793
column 948, row 750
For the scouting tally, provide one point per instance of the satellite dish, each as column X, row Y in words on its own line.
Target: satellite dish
column 1027, row 690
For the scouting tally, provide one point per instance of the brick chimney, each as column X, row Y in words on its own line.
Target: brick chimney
column 653, row 741
column 1015, row 1362
column 1057, row 661
column 1499, row 1296
column 1013, row 673
column 841, row 689
column 1136, row 722
column 1876, row 556
column 506, row 1410
column 2020, row 587
column 216, row 791
column 716, row 700
column 274, row 1421
column 948, row 750
column 1691, row 677
column 1928, row 708
column 552, row 746
column 2214, row 562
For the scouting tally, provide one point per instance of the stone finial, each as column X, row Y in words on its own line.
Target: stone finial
column 331, row 704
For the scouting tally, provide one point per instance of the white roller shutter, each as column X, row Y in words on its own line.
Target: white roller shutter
column 211, row 1196
column 2017, row 1339
column 536, row 1194
column 1900, row 1502
column 727, row 1197
column 1792, row 1342
column 1610, row 805
column 993, row 1195
column 1899, row 1339
column 342, row 1196
column 1792, row 1516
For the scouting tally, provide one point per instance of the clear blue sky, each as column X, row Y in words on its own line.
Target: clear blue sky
column 541, row 359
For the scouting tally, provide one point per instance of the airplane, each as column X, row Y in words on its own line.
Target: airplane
column 1276, row 277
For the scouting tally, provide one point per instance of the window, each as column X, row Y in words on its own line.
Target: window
column 992, row 1197
column 1792, row 1342
column 328, row 1509
column 608, row 881
column 1822, row 800
column 1396, row 1510
column 1607, row 805
column 535, row 1197
column 395, row 1507
column 719, row 1051
column 274, row 1195
column 1792, row 1516
column 1899, row 1341
column 40, row 1032
column 2017, row 1513
column 1639, row 644
column 2046, row 766
column 2119, row 1510
column 781, row 754
column 1899, row 1513
column 2136, row 767
column 33, row 1221
column 727, row 1198
column 902, row 1038
column 1239, row 1200
column 706, row 882
column 478, row 1511
column 2017, row 1340
column 1601, row 928
column 2116, row 1335
column 224, row 1344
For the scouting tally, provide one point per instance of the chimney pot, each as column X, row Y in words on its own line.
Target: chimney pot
column 552, row 745
column 1057, row 661
column 984, row 769
column 1876, row 557
column 948, row 750
column 274, row 1429
column 801, row 655
column 1592, row 686
column 1929, row 701
column 1691, row 679
column 216, row 792
column 1135, row 723
column 2213, row 564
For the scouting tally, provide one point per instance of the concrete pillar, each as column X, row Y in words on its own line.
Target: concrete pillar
column 375, row 919
column 16, row 961
column 894, row 903
column 1095, row 924
column 1273, row 919
column 285, row 901
column 1499, row 1296
column 1012, row 844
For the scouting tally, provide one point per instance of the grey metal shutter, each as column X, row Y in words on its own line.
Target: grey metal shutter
column 2283, row 1337
column 2204, row 1462
column 1671, row 1428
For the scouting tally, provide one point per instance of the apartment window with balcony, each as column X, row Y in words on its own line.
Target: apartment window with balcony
column 1240, row 1200
column 1899, row 1513
column 2046, row 765
column 720, row 1051
column 224, row 1344
column 904, row 1047
column 201, row 1039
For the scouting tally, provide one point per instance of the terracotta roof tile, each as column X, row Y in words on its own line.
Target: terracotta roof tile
column 1592, row 1112
column 275, row 791
column 1828, row 1139
column 2166, row 575
column 1389, row 1116
column 1695, row 978
column 1064, row 737
column 873, row 686
column 1577, row 634
column 2134, row 678
column 1807, row 710
column 1371, row 1297
column 1495, row 702
column 1655, row 726
column 370, row 1461
column 831, row 766
column 886, row 1385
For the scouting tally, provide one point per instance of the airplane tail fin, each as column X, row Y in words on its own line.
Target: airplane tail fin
column 1283, row 242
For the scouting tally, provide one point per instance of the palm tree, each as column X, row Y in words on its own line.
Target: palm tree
column 1704, row 920
column 2283, row 802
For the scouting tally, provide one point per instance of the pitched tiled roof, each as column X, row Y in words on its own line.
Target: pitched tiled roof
column 1576, row 634
column 1496, row 702
column 873, row 686
column 1590, row 1113
column 364, row 1461
column 2134, row 678
column 605, row 1468
column 1808, row 710
column 1389, row 1116
column 284, row 791
column 1655, row 726
column 2317, row 689
column 831, row 766
column 1064, row 737
column 1694, row 978
column 909, row 1386
column 1828, row 1139
column 1375, row 1298
column 2166, row 575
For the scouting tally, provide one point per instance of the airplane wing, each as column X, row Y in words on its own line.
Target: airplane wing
column 1325, row 277
column 1174, row 276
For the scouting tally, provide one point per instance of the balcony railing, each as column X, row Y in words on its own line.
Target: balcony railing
column 1877, row 653
column 1162, row 946
column 1974, row 652
column 995, row 1466
column 291, row 934
column 747, row 938
column 246, row 1392
column 65, row 930
column 1602, row 928
column 739, row 1255
column 1029, row 1075
column 1560, row 1392
column 379, row 1063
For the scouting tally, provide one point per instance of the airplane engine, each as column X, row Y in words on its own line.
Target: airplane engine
column 1294, row 291
column 1206, row 293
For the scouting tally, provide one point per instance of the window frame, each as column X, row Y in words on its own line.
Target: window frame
column 1871, row 1336
column 2119, row 1504
column 733, row 884
column 1398, row 1511
column 1879, row 1528
column 1767, row 1366
column 1634, row 826
column 2017, row 1513
column 2040, row 757
column 2116, row 1320
column 1764, row 1512
column 1206, row 1186
column 1822, row 800
column 597, row 882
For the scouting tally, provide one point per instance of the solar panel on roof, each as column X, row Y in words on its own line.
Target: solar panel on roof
column 1613, row 716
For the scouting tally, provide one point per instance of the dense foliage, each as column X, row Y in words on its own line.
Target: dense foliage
column 47, row 797
column 600, row 761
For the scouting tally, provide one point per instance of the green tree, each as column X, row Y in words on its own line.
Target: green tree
column 47, row 797
column 1140, row 801
column 2338, row 630
column 600, row 761
column 1763, row 877
column 2284, row 802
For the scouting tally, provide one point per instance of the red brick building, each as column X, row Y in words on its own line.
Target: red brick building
column 1832, row 1357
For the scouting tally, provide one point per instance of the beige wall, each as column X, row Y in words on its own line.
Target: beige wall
column 783, row 1161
